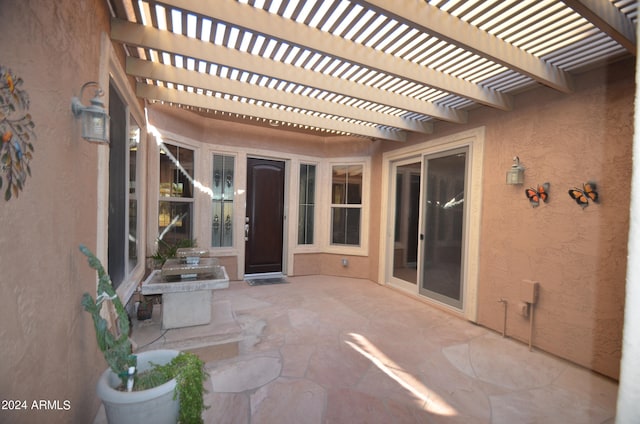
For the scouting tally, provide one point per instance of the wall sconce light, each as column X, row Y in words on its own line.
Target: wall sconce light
column 95, row 118
column 515, row 175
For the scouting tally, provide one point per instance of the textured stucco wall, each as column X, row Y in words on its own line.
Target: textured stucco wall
column 578, row 256
column 331, row 264
column 47, row 344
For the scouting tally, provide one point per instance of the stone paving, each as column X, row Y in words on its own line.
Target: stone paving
column 340, row 350
column 331, row 350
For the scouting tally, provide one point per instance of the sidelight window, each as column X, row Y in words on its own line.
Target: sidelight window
column 222, row 187
column 307, row 203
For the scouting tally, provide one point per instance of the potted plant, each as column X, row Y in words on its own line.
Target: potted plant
column 161, row 386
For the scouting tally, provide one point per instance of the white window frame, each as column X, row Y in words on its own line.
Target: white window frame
column 237, row 211
column 111, row 71
column 174, row 141
column 363, row 248
column 295, row 183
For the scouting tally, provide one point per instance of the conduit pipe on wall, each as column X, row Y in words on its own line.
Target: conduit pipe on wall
column 529, row 294
column 504, row 322
column 531, row 327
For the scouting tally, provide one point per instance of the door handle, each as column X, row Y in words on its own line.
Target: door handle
column 246, row 232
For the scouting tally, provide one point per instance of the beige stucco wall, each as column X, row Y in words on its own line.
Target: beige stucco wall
column 47, row 344
column 578, row 256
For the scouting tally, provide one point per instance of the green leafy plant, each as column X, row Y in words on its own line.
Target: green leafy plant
column 187, row 368
column 167, row 250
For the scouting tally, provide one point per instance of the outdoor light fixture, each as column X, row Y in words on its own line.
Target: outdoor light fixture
column 515, row 175
column 95, row 118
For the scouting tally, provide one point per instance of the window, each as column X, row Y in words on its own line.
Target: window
column 346, row 204
column 222, row 214
column 124, row 233
column 134, row 143
column 175, row 208
column 306, row 203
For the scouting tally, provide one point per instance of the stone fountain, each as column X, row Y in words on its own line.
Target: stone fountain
column 186, row 284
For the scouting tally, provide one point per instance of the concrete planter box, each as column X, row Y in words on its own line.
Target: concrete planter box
column 153, row 406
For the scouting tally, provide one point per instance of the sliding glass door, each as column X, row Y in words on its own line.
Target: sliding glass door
column 443, row 224
column 428, row 216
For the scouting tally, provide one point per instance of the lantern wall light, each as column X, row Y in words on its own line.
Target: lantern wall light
column 94, row 118
column 515, row 175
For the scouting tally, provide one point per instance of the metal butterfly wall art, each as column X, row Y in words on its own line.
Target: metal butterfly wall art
column 535, row 195
column 582, row 196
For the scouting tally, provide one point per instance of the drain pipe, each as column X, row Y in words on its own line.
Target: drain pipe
column 504, row 323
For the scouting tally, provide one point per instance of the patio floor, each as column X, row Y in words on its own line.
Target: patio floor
column 339, row 350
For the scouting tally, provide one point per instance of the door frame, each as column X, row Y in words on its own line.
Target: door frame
column 286, row 212
column 391, row 279
column 474, row 141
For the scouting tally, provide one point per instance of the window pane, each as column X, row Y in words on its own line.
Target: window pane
column 346, row 187
column 134, row 142
column 354, row 185
column 305, row 224
column 339, row 185
column 345, row 223
column 306, row 204
column 176, row 171
column 174, row 221
column 222, row 211
column 118, row 188
column 303, row 183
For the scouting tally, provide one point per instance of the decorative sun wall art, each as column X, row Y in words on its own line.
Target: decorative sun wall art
column 16, row 132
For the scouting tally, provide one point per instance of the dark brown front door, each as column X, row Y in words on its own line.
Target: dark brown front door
column 265, row 216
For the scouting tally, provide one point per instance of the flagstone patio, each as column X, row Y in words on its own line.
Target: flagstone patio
column 324, row 349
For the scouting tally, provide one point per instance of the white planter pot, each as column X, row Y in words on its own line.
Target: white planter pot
column 153, row 406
